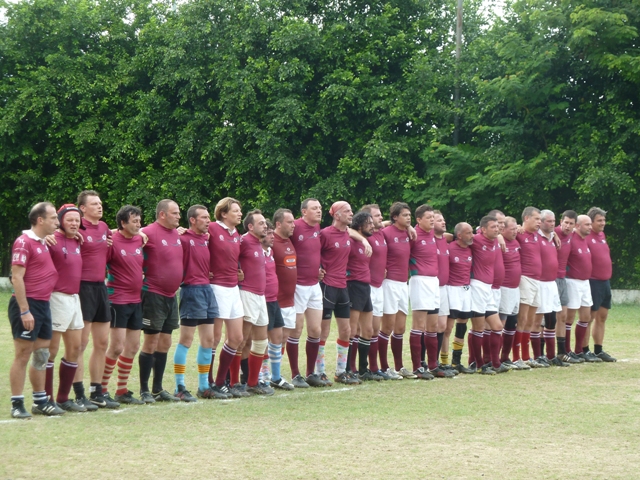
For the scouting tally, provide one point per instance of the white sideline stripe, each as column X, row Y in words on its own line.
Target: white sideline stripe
column 334, row 390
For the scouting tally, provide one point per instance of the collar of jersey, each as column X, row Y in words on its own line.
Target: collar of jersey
column 548, row 238
column 223, row 225
column 32, row 235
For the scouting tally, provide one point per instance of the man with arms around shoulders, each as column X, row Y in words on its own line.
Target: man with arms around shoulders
column 510, row 290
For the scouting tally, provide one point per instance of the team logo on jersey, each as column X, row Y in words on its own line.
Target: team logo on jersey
column 456, row 259
column 123, row 253
column 348, row 243
column 360, row 251
column 579, row 250
column 64, row 250
column 38, row 250
column 424, row 242
column 104, row 236
column 377, row 243
column 23, row 258
column 315, row 234
column 192, row 243
column 89, row 239
column 288, row 249
column 469, row 259
column 179, row 242
column 16, row 257
column 164, row 243
column 221, row 238
column 337, row 245
column 138, row 251
column 395, row 239
column 588, row 251
column 255, row 254
column 300, row 237
column 77, row 250
column 235, row 239
column 484, row 248
column 21, row 240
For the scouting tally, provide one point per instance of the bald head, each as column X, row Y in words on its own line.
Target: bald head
column 583, row 225
column 463, row 233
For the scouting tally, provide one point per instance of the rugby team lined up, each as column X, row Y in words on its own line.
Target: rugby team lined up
column 520, row 285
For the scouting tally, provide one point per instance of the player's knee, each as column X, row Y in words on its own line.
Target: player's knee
column 40, row 358
column 461, row 330
column 550, row 321
column 259, row 346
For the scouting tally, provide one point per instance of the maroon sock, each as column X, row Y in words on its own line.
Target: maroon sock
column 415, row 346
column 292, row 353
column 472, row 353
column 373, row 355
column 517, row 343
column 535, row 344
column 383, row 346
column 495, row 342
column 431, row 343
column 353, row 353
column 567, row 338
column 524, row 346
column 486, row 346
column 477, row 339
column 48, row 381
column 255, row 364
column 423, row 348
column 550, row 342
column 396, row 349
column 213, row 357
column 312, row 347
column 581, row 331
column 226, row 357
column 507, row 344
column 67, row 372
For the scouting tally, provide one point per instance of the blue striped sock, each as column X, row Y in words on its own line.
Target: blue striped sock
column 179, row 364
column 204, row 361
column 275, row 356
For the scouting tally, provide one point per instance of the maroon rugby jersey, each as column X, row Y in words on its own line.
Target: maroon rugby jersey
column 94, row 250
column 67, row 259
column 579, row 264
column 224, row 251
column 124, row 269
column 306, row 240
column 284, row 254
column 512, row 268
column 378, row 263
column 196, row 258
column 424, row 254
column 443, row 260
column 549, row 259
column 252, row 263
column 162, row 260
column 530, row 254
column 398, row 253
column 600, row 256
column 484, row 258
column 41, row 275
column 563, row 254
column 335, row 248
column 271, row 291
column 498, row 270
column 460, row 260
column 358, row 264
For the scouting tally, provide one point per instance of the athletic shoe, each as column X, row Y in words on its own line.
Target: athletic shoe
column 239, row 390
column 314, row 380
column 104, row 401
column 462, row 369
column 146, row 397
column 543, row 361
column 393, row 375
column 405, row 373
column 558, row 362
column 449, row 368
column 164, row 396
column 577, row 357
column 184, row 394
column 605, row 357
column 71, row 406
column 521, row 365
column 299, row 382
column 567, row 358
column 487, row 370
column 589, row 357
column 129, row 399
column 382, row 375
column 354, row 378
column 509, row 364
column 215, row 392
column 534, row 364
column 422, row 374
column 345, row 379
column 325, row 380
column 369, row 376
column 282, row 384
column 440, row 372
column 18, row 411
column 502, row 368
column 261, row 389
column 84, row 402
column 48, row 408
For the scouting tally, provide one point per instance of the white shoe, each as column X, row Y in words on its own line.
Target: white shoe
column 392, row 374
column 520, row 365
column 407, row 373
column 533, row 364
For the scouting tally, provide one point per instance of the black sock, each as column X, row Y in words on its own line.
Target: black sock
column 363, row 354
column 560, row 341
column 585, row 349
column 158, row 370
column 145, row 364
column 96, row 389
column 244, row 366
column 440, row 340
column 597, row 349
column 78, row 389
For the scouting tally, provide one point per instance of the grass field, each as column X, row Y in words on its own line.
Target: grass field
column 582, row 421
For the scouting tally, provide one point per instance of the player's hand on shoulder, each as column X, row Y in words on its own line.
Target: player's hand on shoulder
column 181, row 230
column 50, row 240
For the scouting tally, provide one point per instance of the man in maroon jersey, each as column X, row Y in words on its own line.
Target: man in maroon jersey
column 458, row 290
column 198, row 306
column 224, row 248
column 510, row 289
column 498, row 278
column 94, row 300
column 395, row 290
column 579, row 268
column 564, row 232
column 163, row 275
column 377, row 268
column 66, row 313
column 484, row 250
column 124, row 283
column 599, row 281
column 444, row 333
column 33, row 276
column 285, row 257
column 531, row 264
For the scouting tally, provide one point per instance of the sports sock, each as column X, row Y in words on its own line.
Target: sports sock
column 507, row 343
column 458, row 345
column 78, row 389
column 517, row 344
column 431, row 341
column 373, row 354
column 535, row 344
column 444, row 358
column 158, row 370
column 567, row 337
column 524, row 346
column 95, row 389
column 226, row 357
column 597, row 349
column 423, row 348
column 244, row 370
column 440, row 340
column 320, row 362
column 364, row 345
column 180, row 364
column 292, row 353
column 66, row 373
column 312, row 348
column 486, row 346
column 585, row 349
column 203, row 358
column 494, row 344
column 17, row 400
column 265, row 369
column 353, row 350
column 342, row 348
column 145, row 364
column 210, row 374
column 416, row 340
column 48, row 380
column 383, row 346
column 561, row 347
column 234, row 369
column 471, row 347
column 477, row 338
column 550, row 342
column 275, row 358
column 396, row 349
column 39, row 398
column 124, row 369
column 109, row 366
column 581, row 330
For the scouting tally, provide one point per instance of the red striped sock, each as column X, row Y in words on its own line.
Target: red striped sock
column 109, row 366
column 124, row 369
